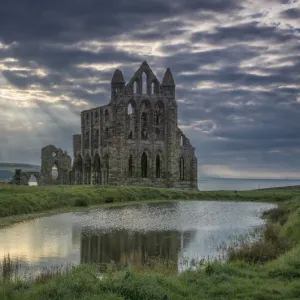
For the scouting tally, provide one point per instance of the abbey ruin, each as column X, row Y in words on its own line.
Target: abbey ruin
column 133, row 140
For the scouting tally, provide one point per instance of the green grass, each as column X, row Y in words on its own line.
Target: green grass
column 267, row 269
column 15, row 200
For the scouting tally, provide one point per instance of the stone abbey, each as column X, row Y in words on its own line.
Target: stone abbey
column 133, row 140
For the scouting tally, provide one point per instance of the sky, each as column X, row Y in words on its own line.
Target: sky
column 236, row 64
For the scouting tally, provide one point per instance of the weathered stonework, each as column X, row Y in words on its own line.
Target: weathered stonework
column 135, row 139
column 22, row 178
column 52, row 156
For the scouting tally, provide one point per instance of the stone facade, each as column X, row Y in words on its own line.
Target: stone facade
column 135, row 139
column 52, row 156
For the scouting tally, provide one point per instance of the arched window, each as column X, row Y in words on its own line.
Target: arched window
column 106, row 169
column 96, row 116
column 181, row 140
column 106, row 116
column 96, row 138
column 157, row 135
column 88, row 169
column 144, row 119
column 144, row 83
column 157, row 115
column 181, row 168
column 130, row 135
column 97, row 169
column 158, row 162
column 130, row 166
column 106, row 132
column 129, row 109
column 144, row 165
column 152, row 88
column 135, row 87
column 54, row 172
column 87, row 140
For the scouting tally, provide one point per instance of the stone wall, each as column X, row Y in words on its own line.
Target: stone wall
column 135, row 139
column 50, row 157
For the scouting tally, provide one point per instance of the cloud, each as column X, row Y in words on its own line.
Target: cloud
column 236, row 65
column 292, row 13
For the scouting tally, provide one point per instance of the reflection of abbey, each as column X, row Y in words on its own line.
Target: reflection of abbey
column 133, row 140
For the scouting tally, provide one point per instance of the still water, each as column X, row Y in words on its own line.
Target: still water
column 176, row 231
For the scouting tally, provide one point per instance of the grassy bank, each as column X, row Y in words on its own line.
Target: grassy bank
column 16, row 200
column 266, row 269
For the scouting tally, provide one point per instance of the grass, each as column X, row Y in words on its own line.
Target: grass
column 269, row 268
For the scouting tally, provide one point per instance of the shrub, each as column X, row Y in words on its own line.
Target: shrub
column 268, row 247
column 81, row 202
column 278, row 215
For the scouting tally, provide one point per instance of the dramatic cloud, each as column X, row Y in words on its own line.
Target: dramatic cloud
column 236, row 66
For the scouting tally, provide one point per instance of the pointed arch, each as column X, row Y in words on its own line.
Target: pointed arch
column 87, row 169
column 130, row 166
column 181, row 168
column 181, row 140
column 159, row 113
column 144, row 83
column 87, row 140
column 96, row 138
column 158, row 136
column 106, row 167
column 153, row 88
column 78, row 166
column 144, row 165
column 106, row 115
column 97, row 169
column 106, row 132
column 54, row 171
column 158, row 166
column 135, row 87
column 129, row 108
column 144, row 119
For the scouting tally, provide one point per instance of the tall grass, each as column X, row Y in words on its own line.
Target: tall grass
column 15, row 200
column 268, row 268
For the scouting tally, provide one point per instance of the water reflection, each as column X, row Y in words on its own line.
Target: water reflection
column 131, row 247
column 131, row 234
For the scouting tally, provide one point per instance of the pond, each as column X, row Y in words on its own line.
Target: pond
column 174, row 231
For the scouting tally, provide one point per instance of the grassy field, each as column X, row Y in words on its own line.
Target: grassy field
column 266, row 269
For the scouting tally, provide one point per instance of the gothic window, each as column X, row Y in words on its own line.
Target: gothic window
column 97, row 169
column 106, row 167
column 181, row 140
column 88, row 166
column 157, row 116
column 158, row 162
column 130, row 167
column 144, row 165
column 135, row 87
column 106, row 132
column 157, row 135
column 106, row 116
column 96, row 139
column 96, row 116
column 87, row 117
column 130, row 135
column 144, row 134
column 181, row 168
column 87, row 140
column 129, row 109
column 144, row 119
column 152, row 88
column 144, row 83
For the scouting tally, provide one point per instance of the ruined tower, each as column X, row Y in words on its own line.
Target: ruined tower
column 135, row 139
